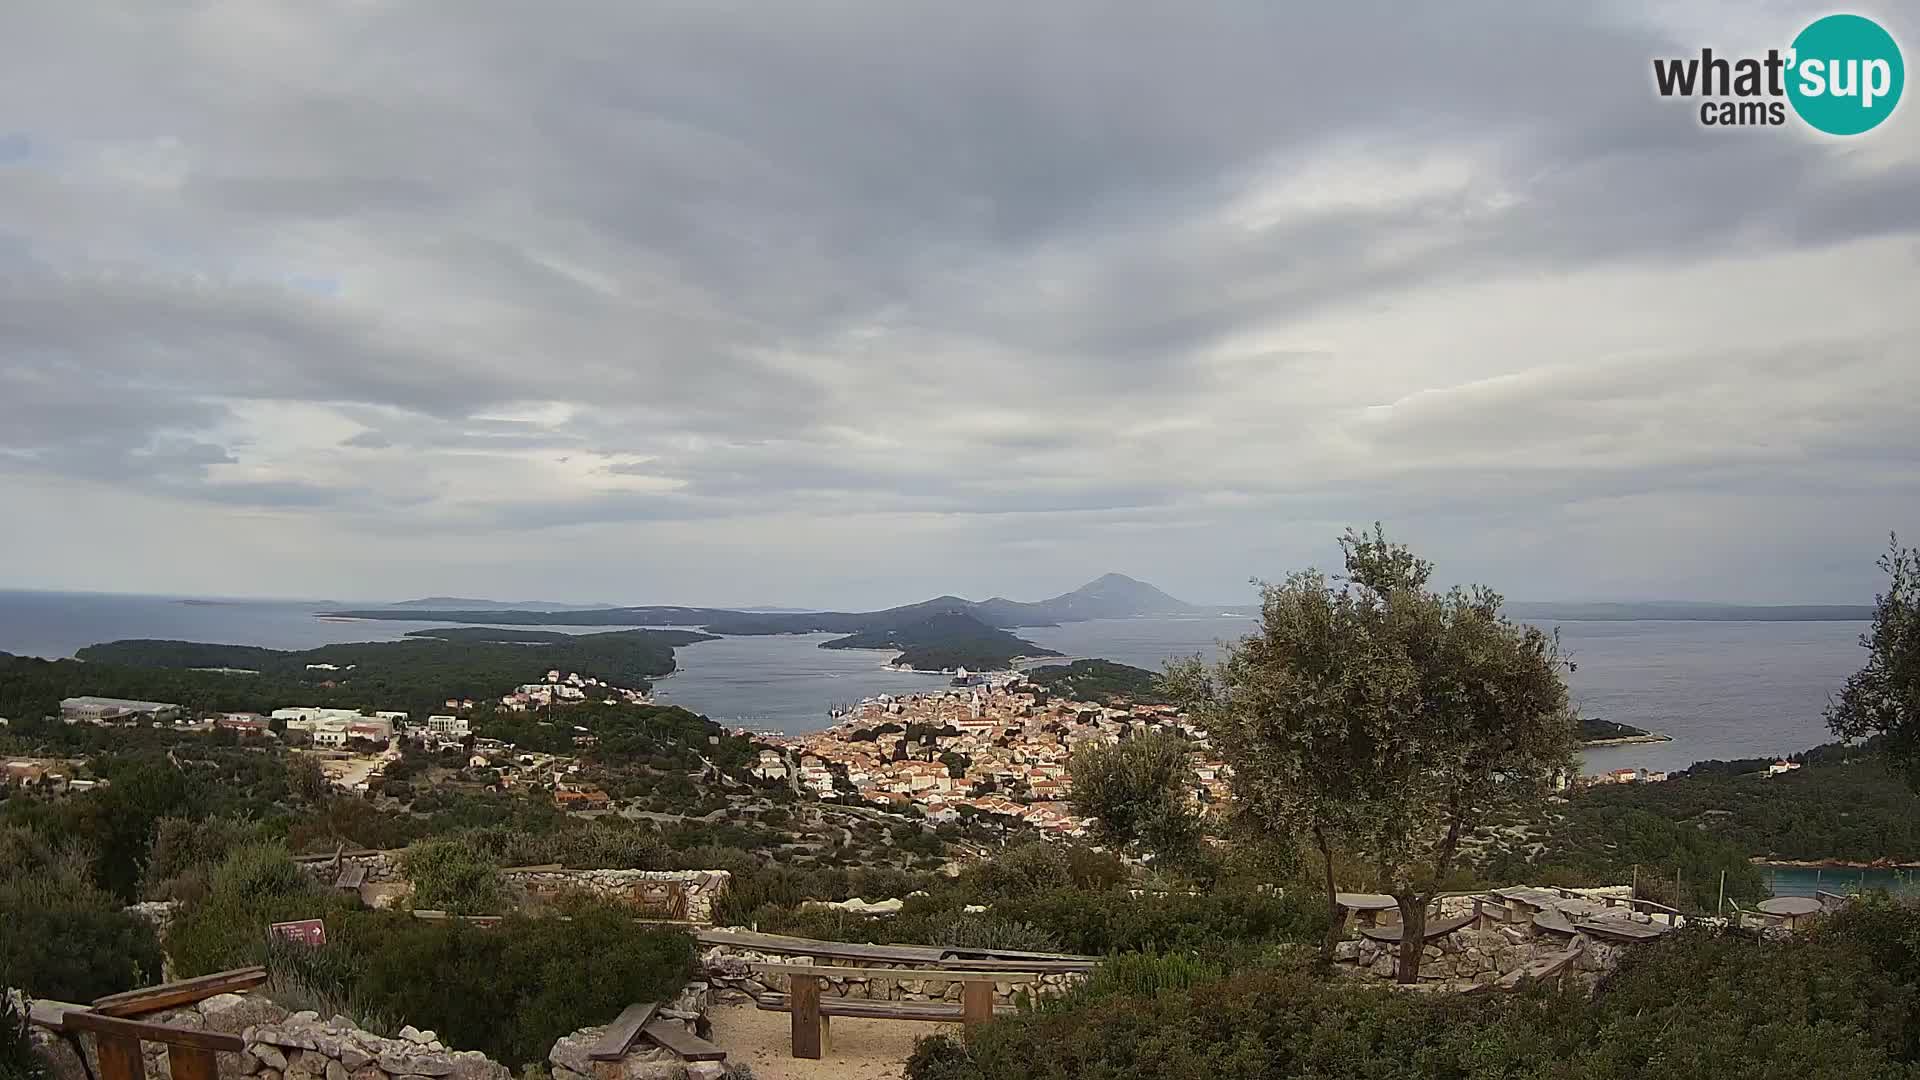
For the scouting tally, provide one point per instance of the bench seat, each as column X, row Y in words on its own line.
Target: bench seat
column 936, row 1011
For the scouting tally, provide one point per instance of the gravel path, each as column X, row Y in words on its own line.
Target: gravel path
column 859, row 1050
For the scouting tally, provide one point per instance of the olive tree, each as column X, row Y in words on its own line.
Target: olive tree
column 1883, row 697
column 1139, row 792
column 1373, row 715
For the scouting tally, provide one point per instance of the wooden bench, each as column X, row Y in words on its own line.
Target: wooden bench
column 811, row 1010
column 636, row 1022
column 1436, row 929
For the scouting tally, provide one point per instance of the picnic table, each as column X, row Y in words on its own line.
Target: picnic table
column 1791, row 909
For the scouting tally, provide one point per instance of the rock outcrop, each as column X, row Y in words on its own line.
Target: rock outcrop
column 570, row 1058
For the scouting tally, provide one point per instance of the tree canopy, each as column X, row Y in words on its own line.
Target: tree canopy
column 1138, row 793
column 1374, row 713
column 1883, row 697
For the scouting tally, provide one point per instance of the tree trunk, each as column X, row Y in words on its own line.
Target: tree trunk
column 1413, row 941
column 1336, row 925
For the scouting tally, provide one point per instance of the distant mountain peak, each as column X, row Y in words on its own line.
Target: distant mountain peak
column 1125, row 592
column 1112, row 580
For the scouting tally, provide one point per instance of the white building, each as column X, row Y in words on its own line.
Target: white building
column 106, row 710
column 771, row 766
column 448, row 725
column 311, row 718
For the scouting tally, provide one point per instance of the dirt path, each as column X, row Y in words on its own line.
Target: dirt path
column 859, row 1050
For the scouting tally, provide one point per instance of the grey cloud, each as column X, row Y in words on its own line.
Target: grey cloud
column 971, row 264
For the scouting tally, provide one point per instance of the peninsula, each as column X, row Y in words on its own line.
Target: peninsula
column 941, row 634
column 1597, row 732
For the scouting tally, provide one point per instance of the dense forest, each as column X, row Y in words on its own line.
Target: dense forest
column 416, row 675
column 1101, row 680
column 1849, row 810
column 666, row 734
column 1844, row 807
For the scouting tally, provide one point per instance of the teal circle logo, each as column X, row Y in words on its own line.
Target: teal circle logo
column 1846, row 74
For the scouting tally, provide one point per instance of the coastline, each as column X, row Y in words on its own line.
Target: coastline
column 1833, row 864
column 904, row 670
column 1630, row 740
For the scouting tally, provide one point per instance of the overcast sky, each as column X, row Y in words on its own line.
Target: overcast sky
column 849, row 304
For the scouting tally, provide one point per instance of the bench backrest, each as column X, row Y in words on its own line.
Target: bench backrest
column 910, row 974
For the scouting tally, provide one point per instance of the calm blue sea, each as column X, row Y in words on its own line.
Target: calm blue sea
column 1721, row 690
column 1807, row 880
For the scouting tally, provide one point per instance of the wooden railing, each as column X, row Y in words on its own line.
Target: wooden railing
column 117, row 1037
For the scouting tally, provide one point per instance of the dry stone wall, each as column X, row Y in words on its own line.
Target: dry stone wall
column 681, row 894
column 300, row 1046
column 690, row 893
column 1472, row 958
column 734, row 981
column 382, row 867
column 292, row 1046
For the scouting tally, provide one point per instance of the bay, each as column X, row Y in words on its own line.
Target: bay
column 1720, row 689
column 1806, row 880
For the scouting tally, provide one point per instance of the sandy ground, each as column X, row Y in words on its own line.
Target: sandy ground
column 859, row 1050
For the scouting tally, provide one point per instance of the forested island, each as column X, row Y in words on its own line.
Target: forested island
column 1101, row 680
column 944, row 642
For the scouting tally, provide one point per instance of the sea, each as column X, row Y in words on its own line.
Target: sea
column 1719, row 689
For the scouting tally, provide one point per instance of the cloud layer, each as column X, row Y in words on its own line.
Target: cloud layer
column 854, row 303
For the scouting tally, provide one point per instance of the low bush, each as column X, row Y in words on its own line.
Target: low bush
column 255, row 886
column 1149, row 974
column 753, row 892
column 451, row 875
column 18, row 1060
column 1833, row 1004
column 511, row 989
column 985, row 932
column 1223, row 924
column 185, row 853
column 61, row 936
column 1228, row 926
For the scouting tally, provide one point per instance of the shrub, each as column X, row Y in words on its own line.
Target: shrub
column 1834, row 1004
column 18, row 1058
column 60, row 936
column 1219, row 924
column 1150, row 974
column 755, row 892
column 978, row 932
column 602, row 844
column 1019, row 872
column 256, row 885
column 451, row 875
column 522, row 984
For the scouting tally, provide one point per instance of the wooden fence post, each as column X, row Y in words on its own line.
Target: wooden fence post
column 809, row 1027
column 119, row 1057
column 976, row 1002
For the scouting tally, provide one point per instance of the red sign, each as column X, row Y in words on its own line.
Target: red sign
column 305, row 931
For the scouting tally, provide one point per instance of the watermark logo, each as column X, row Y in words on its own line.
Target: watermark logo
column 1842, row 75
